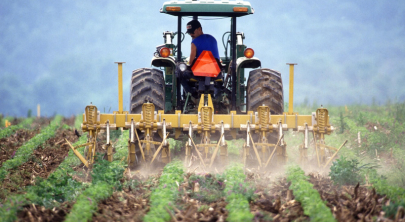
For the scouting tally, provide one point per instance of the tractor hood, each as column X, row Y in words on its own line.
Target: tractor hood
column 223, row 8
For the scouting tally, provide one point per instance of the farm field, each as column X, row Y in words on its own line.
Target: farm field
column 42, row 180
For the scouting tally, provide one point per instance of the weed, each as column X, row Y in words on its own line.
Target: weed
column 348, row 172
column 210, row 188
column 392, row 208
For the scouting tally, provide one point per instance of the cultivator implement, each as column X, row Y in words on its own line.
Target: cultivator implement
column 254, row 126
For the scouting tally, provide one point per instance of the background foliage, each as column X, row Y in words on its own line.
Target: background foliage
column 61, row 54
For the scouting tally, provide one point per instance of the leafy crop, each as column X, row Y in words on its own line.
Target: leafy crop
column 166, row 192
column 104, row 171
column 62, row 188
column 86, row 204
column 239, row 193
column 105, row 176
column 309, row 198
column 25, row 151
column 10, row 206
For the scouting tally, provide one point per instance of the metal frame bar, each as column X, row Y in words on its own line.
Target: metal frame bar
column 178, row 86
column 233, row 46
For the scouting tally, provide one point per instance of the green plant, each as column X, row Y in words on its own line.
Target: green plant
column 60, row 189
column 361, row 119
column 78, row 121
column 10, row 206
column 235, row 146
column 104, row 171
column 175, row 145
column 381, row 185
column 392, row 209
column 348, row 172
column 211, row 189
column 309, row 198
column 86, row 204
column 342, row 123
column 399, row 112
column 239, row 193
column 166, row 192
column 106, row 177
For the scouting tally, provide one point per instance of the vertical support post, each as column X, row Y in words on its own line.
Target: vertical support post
column 178, row 86
column 291, row 99
column 120, row 99
column 38, row 111
column 233, row 46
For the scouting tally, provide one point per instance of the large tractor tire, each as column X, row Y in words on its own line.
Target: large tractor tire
column 265, row 86
column 147, row 85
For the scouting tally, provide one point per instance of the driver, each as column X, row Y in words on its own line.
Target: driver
column 200, row 41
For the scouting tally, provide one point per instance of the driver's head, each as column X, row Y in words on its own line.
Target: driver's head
column 194, row 28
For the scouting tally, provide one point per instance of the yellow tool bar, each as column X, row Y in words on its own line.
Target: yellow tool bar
column 178, row 120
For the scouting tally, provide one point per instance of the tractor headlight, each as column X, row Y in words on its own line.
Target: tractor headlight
column 183, row 67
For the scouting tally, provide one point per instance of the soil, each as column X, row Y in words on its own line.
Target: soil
column 350, row 203
column 34, row 213
column 276, row 203
column 131, row 204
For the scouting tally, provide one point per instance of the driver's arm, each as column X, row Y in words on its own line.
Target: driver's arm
column 193, row 53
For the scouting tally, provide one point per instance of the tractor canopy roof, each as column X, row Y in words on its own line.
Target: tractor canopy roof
column 219, row 8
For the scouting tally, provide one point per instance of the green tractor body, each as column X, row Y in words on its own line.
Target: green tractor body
column 229, row 91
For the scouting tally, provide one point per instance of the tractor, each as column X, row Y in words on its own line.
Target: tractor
column 217, row 105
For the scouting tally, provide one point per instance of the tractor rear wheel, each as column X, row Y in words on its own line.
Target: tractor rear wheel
column 265, row 86
column 147, row 85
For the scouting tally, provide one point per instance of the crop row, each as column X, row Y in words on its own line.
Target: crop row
column 309, row 198
column 166, row 193
column 11, row 129
column 25, row 151
column 105, row 177
column 238, row 194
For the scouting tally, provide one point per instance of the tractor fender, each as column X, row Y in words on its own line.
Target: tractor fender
column 163, row 62
column 244, row 62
